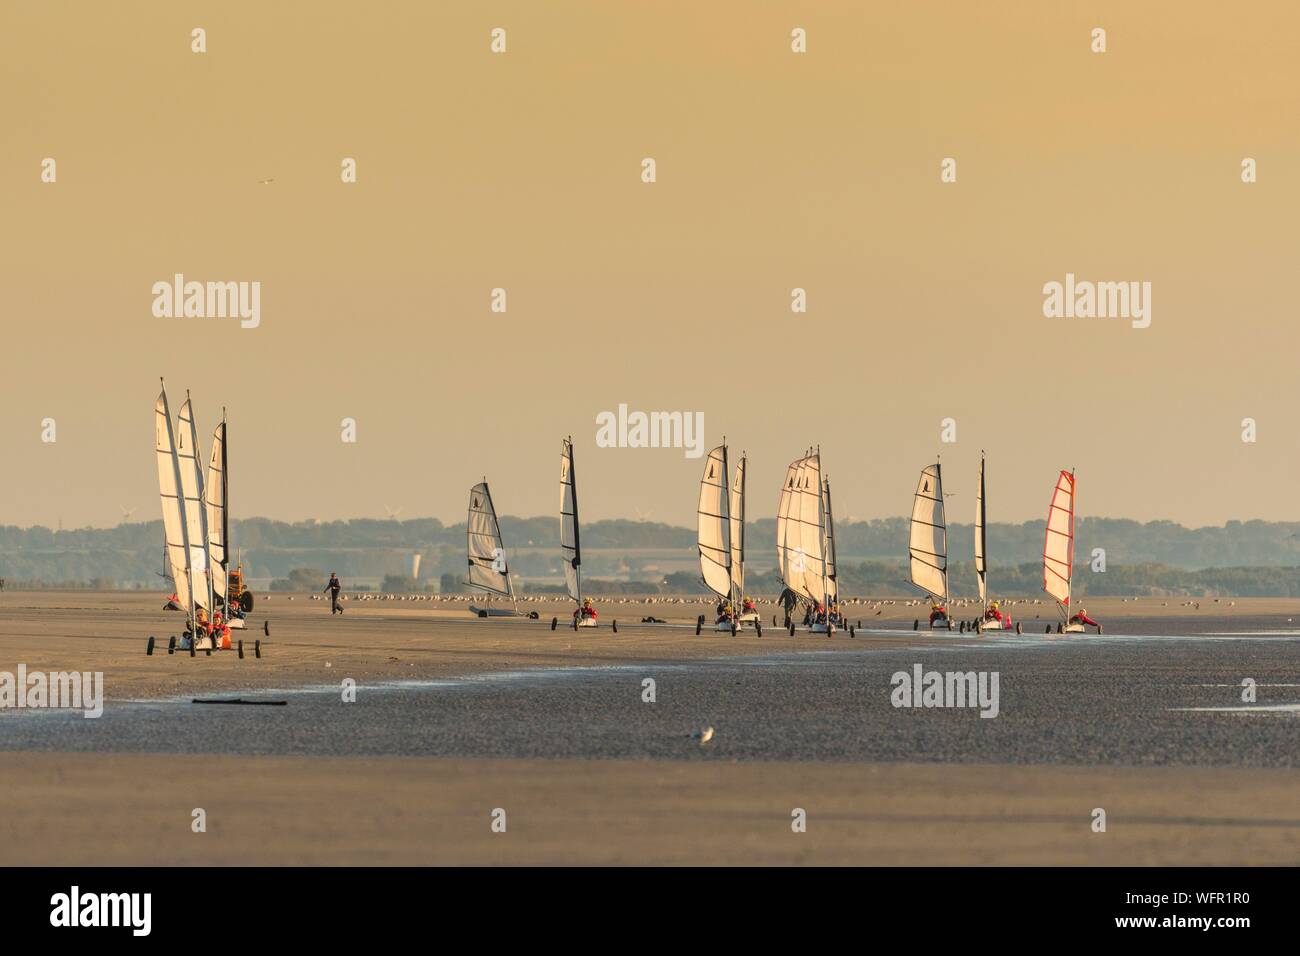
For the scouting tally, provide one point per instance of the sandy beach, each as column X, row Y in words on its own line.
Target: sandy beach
column 548, row 726
column 397, row 639
column 136, row 810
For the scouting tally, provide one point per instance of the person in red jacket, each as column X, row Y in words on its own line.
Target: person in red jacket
column 1081, row 617
column 220, row 633
column 995, row 613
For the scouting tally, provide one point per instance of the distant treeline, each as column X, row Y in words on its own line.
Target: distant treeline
column 1254, row 557
column 886, row 579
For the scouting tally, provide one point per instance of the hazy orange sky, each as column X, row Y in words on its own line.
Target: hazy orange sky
column 776, row 170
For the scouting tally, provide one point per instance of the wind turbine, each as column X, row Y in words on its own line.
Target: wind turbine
column 393, row 512
column 126, row 513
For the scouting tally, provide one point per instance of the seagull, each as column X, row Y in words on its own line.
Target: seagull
column 703, row 736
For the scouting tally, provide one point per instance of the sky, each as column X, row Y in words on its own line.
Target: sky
column 774, row 171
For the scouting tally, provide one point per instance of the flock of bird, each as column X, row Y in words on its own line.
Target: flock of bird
column 878, row 605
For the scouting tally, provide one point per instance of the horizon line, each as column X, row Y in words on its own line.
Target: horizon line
column 635, row 521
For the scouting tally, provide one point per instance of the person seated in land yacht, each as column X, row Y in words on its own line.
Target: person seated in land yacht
column 220, row 633
column 726, row 613
column 1081, row 617
column 937, row 611
column 747, row 607
column 994, row 613
column 588, row 610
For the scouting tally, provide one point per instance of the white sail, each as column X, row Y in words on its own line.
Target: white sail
column 738, row 531
column 1058, row 546
column 714, row 523
column 193, row 507
column 783, row 523
column 928, row 546
column 832, row 588
column 218, row 516
column 981, row 559
column 806, row 532
column 176, row 547
column 569, row 547
column 488, row 570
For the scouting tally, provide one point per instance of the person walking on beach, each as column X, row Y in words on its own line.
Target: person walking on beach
column 334, row 587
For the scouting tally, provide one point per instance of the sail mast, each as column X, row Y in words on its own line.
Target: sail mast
column 943, row 519
column 570, row 548
column 1074, row 517
column 821, row 537
column 981, row 541
column 831, row 569
column 738, row 531
column 218, row 512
